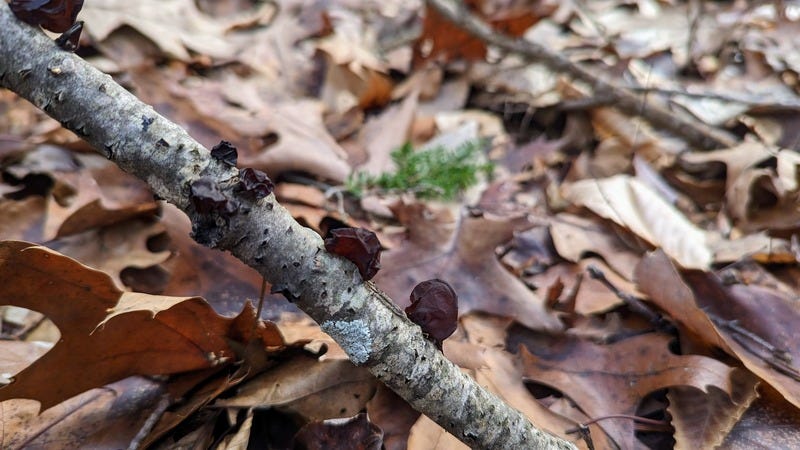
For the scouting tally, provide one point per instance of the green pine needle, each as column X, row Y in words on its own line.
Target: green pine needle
column 436, row 173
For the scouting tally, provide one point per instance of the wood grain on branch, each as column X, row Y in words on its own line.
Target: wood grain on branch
column 262, row 234
column 693, row 132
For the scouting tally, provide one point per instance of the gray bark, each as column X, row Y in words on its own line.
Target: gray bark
column 263, row 235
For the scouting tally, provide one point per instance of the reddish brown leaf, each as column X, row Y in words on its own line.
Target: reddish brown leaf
column 450, row 41
column 359, row 246
column 54, row 15
column 107, row 335
column 434, row 307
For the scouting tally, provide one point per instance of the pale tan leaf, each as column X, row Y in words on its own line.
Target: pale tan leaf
column 628, row 202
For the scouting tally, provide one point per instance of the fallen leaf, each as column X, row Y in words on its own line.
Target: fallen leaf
column 628, row 202
column 116, row 334
column 310, row 388
column 114, row 248
column 691, row 298
column 117, row 412
column 604, row 380
column 461, row 252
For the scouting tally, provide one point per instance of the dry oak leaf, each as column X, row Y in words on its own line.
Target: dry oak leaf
column 630, row 203
column 107, row 334
column 691, row 297
column 604, row 380
column 462, row 252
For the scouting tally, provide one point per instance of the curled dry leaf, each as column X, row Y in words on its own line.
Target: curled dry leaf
column 53, row 15
column 359, row 246
column 434, row 307
column 631, row 204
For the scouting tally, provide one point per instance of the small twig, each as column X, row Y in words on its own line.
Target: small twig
column 636, row 305
column 260, row 306
column 779, row 359
column 698, row 134
column 150, row 423
column 637, row 419
column 744, row 99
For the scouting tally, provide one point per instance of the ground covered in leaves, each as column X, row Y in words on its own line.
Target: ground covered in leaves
column 618, row 284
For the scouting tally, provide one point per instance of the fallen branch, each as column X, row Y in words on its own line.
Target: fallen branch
column 262, row 234
column 697, row 134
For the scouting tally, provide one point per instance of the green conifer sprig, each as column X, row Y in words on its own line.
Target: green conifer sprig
column 435, row 173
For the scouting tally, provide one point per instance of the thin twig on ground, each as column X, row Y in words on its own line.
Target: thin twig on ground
column 694, row 132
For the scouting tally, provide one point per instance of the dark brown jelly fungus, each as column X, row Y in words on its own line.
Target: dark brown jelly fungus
column 254, row 183
column 225, row 152
column 359, row 246
column 53, row 15
column 71, row 38
column 434, row 307
column 207, row 198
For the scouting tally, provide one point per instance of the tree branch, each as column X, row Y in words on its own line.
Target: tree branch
column 263, row 235
column 697, row 134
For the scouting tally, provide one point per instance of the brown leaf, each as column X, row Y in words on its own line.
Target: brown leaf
column 630, row 203
column 766, row 313
column 107, row 335
column 613, row 379
column 314, row 389
column 449, row 41
column 480, row 350
column 116, row 413
column 703, row 421
column 114, row 248
column 461, row 252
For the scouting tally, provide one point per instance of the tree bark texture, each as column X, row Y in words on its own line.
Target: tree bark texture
column 263, row 235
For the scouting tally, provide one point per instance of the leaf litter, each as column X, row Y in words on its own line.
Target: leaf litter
column 687, row 340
